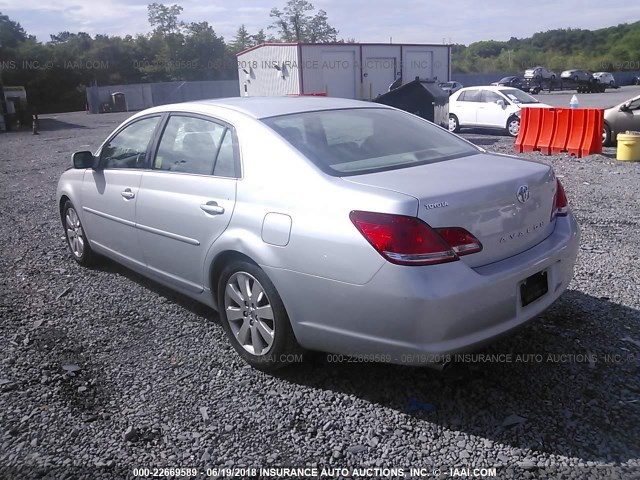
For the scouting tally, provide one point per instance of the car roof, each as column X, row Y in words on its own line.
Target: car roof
column 264, row 107
column 494, row 88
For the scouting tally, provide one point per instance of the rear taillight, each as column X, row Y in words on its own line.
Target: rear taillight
column 462, row 242
column 560, row 203
column 407, row 240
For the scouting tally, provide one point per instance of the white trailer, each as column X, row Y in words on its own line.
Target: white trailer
column 348, row 70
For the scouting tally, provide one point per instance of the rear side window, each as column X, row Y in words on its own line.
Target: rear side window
column 367, row 140
column 226, row 163
column 469, row 96
column 189, row 145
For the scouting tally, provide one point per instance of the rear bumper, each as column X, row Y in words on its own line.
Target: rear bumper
column 417, row 315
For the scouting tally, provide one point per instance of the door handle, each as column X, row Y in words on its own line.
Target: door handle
column 212, row 208
column 128, row 194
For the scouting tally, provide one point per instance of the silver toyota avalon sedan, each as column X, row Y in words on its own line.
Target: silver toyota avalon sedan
column 325, row 224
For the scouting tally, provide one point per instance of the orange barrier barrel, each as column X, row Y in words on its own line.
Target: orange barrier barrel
column 547, row 131
column 530, row 123
column 554, row 130
column 564, row 118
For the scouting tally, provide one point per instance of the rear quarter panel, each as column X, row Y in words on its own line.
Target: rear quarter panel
column 322, row 242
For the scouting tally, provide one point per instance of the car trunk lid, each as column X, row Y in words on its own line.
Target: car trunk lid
column 505, row 202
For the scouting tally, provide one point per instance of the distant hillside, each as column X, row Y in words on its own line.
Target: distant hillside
column 611, row 49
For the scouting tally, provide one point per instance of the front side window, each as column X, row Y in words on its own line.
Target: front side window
column 634, row 104
column 490, row 97
column 129, row 148
column 366, row 140
column 189, row 145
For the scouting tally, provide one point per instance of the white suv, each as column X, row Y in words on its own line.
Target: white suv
column 489, row 107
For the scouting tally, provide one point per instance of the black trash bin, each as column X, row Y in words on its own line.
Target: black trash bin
column 420, row 97
column 119, row 101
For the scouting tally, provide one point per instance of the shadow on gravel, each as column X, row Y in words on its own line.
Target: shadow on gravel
column 567, row 384
column 199, row 309
column 573, row 391
column 52, row 124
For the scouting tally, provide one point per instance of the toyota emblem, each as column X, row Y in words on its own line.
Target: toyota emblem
column 523, row 193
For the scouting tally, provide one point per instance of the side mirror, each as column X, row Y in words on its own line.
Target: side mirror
column 501, row 103
column 624, row 107
column 84, row 159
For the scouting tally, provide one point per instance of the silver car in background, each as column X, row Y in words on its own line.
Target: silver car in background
column 539, row 73
column 325, row 224
column 619, row 119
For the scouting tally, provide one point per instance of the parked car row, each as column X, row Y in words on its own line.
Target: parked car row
column 576, row 75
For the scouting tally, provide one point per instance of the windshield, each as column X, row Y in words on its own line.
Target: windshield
column 507, row 79
column 518, row 96
column 367, row 140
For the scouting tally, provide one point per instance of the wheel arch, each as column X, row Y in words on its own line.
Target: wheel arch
column 221, row 260
column 64, row 198
column 510, row 118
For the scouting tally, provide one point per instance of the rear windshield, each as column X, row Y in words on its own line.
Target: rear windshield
column 367, row 140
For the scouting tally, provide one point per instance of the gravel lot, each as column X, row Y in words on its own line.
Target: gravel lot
column 102, row 371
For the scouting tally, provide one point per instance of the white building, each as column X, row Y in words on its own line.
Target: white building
column 349, row 70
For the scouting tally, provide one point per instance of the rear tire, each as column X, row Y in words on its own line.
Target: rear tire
column 76, row 237
column 454, row 125
column 513, row 126
column 606, row 136
column 254, row 318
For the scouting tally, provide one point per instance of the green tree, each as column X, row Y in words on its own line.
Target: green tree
column 164, row 19
column 295, row 23
column 259, row 37
column 11, row 33
column 242, row 40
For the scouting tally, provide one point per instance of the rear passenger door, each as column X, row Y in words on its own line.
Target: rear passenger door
column 186, row 200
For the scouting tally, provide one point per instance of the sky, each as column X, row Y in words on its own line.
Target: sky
column 402, row 21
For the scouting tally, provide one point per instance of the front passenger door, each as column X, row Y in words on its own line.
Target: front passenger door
column 490, row 114
column 466, row 107
column 109, row 192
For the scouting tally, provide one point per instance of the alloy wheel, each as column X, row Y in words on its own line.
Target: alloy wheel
column 249, row 313
column 75, row 235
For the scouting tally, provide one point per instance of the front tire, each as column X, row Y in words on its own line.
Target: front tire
column 454, row 125
column 513, row 126
column 76, row 237
column 254, row 318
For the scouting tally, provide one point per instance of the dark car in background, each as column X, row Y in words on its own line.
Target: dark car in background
column 576, row 75
column 511, row 81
